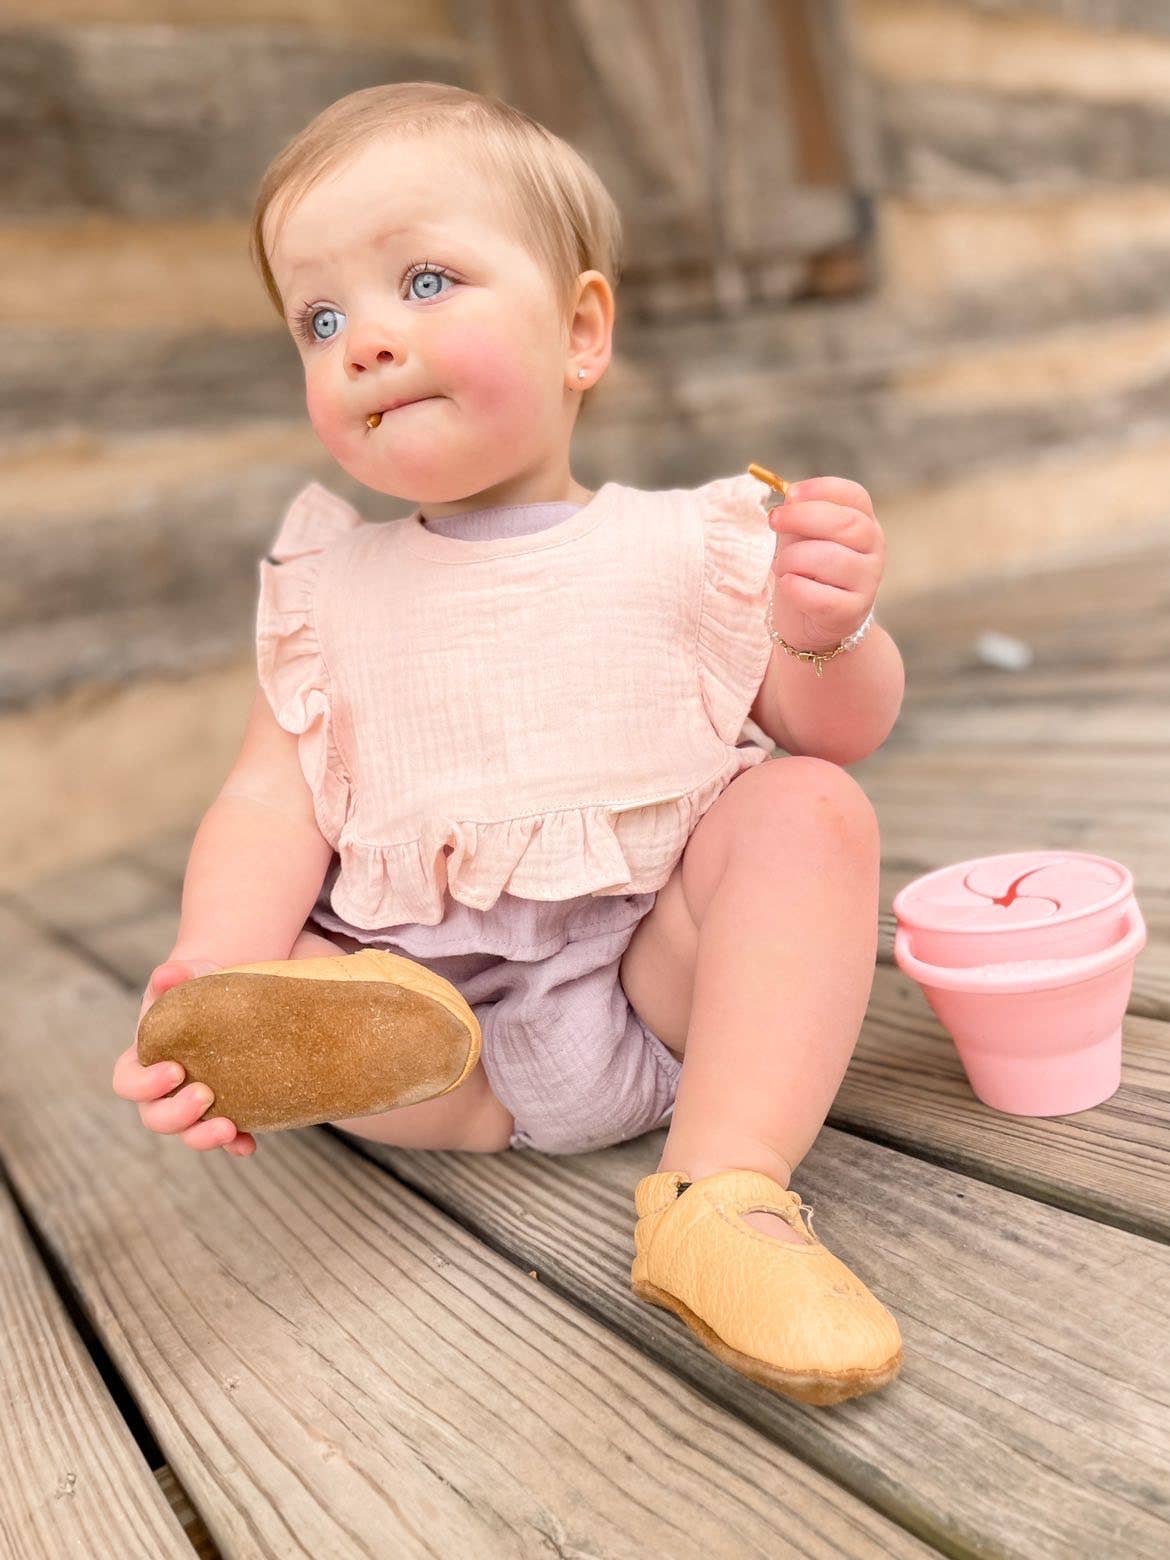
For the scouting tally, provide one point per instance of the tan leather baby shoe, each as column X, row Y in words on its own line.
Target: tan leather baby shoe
column 295, row 1042
column 793, row 1318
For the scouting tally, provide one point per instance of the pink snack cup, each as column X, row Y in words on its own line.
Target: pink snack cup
column 1027, row 960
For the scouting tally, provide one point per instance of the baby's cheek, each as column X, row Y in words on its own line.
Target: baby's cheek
column 496, row 379
column 327, row 422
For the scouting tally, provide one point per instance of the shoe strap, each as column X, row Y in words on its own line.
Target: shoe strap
column 658, row 1191
column 737, row 1190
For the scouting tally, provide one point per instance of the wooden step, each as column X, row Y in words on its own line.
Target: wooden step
column 331, row 1363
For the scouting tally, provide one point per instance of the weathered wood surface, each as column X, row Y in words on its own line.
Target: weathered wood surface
column 196, row 1269
column 1113, row 15
column 1005, row 1387
column 72, row 1480
column 947, row 138
column 906, row 1087
column 332, row 1365
column 699, row 101
column 1070, row 751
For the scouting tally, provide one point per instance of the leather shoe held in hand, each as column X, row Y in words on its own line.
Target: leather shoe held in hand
column 295, row 1042
column 793, row 1318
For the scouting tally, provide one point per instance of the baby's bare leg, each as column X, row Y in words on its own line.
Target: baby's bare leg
column 469, row 1118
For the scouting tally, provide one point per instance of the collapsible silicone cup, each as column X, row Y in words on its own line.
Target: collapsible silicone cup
column 1027, row 959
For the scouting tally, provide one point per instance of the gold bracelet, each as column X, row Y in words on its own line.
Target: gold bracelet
column 817, row 657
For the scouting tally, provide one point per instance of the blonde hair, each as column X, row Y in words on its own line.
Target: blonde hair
column 554, row 201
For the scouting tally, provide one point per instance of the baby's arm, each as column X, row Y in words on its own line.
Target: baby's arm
column 258, row 858
column 255, row 868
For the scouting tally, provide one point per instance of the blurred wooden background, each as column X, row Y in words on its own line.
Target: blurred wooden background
column 921, row 243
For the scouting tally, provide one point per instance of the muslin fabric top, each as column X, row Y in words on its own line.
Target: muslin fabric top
column 545, row 714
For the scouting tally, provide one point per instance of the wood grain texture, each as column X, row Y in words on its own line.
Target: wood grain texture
column 1034, row 1362
column 72, row 1480
column 332, row 1365
column 205, row 1278
column 906, row 1087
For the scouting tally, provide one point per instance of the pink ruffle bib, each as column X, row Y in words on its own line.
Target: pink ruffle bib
column 549, row 714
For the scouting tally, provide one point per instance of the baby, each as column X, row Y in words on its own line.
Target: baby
column 501, row 737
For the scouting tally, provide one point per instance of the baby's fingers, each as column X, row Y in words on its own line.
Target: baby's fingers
column 180, row 1114
column 178, row 1111
column 132, row 1081
column 219, row 1132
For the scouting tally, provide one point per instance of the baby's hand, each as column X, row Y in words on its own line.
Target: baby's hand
column 147, row 1086
column 829, row 560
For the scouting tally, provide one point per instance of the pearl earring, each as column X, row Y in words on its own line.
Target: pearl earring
column 580, row 373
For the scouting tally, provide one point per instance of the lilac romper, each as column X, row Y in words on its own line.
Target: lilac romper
column 563, row 1049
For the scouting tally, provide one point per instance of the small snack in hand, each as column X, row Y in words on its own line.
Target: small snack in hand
column 295, row 1042
column 770, row 478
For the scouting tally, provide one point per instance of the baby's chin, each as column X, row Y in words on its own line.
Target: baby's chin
column 395, row 468
column 422, row 470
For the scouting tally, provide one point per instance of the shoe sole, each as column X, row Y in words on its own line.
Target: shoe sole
column 813, row 1387
column 265, row 1043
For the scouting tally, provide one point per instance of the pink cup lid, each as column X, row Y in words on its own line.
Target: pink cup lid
column 1018, row 889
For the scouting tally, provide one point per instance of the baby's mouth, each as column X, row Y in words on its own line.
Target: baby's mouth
column 373, row 420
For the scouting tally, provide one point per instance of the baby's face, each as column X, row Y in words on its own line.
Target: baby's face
column 401, row 283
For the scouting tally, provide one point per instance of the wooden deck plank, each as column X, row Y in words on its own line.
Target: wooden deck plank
column 1095, row 711
column 934, row 1243
column 96, row 894
column 936, row 1136
column 1091, row 787
column 1034, row 1339
column 905, row 1087
column 983, row 761
column 166, row 854
column 131, row 948
column 333, row 1366
column 72, row 1480
column 1114, row 595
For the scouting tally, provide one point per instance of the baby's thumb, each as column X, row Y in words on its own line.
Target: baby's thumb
column 173, row 973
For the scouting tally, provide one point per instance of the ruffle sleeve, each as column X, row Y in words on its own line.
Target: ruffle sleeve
column 289, row 659
column 734, row 646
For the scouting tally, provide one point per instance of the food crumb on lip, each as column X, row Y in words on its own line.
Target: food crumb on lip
column 375, row 418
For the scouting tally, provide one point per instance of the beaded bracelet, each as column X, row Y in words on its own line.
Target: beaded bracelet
column 817, row 657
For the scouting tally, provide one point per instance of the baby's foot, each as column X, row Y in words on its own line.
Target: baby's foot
column 767, row 1223
column 773, row 1224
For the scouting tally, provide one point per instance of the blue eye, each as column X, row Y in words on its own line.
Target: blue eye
column 434, row 272
column 304, row 320
column 304, row 324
